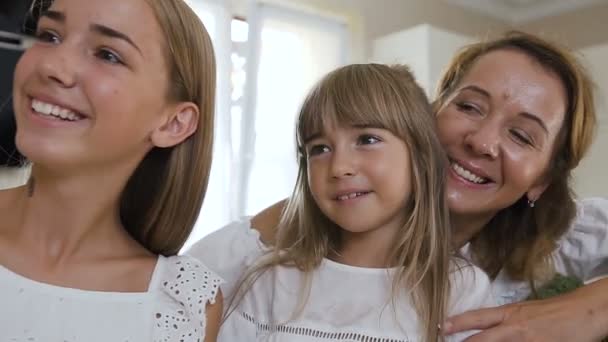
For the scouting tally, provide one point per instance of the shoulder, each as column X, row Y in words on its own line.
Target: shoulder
column 229, row 251
column 583, row 250
column 237, row 238
column 185, row 279
column 470, row 287
column 591, row 210
column 187, row 288
column 590, row 226
column 267, row 220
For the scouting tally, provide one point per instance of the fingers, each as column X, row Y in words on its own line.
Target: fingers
column 474, row 320
column 498, row 334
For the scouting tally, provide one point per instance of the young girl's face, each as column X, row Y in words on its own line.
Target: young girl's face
column 360, row 177
column 94, row 86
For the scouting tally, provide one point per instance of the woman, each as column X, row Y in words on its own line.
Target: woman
column 110, row 111
column 515, row 116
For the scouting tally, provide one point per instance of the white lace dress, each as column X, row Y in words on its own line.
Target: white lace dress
column 346, row 303
column 173, row 308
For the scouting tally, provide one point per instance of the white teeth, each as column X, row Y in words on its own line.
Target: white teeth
column 468, row 175
column 351, row 196
column 52, row 110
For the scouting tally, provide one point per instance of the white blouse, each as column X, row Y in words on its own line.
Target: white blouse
column 582, row 252
column 173, row 308
column 345, row 303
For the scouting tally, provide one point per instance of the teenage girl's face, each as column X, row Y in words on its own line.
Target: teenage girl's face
column 499, row 130
column 360, row 178
column 93, row 87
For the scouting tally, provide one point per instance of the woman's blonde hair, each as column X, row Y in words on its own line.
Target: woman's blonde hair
column 384, row 97
column 520, row 239
column 163, row 198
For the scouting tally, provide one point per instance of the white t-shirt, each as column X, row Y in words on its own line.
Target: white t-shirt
column 173, row 308
column 582, row 252
column 345, row 303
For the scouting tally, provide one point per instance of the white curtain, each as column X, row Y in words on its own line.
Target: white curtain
column 290, row 50
column 216, row 208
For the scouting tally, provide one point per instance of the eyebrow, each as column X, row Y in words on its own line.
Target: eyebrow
column 526, row 115
column 476, row 89
column 356, row 126
column 97, row 28
column 312, row 137
column 53, row 15
column 536, row 119
column 112, row 33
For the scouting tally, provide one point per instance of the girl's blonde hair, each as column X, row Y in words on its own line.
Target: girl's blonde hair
column 520, row 239
column 384, row 97
column 163, row 198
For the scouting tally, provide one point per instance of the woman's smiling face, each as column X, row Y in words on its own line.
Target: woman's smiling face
column 499, row 129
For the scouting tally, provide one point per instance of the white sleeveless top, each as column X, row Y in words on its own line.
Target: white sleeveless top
column 346, row 303
column 173, row 308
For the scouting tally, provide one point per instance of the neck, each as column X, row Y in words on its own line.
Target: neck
column 62, row 216
column 369, row 249
column 465, row 227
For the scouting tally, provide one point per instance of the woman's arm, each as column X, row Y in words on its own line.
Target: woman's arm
column 214, row 318
column 581, row 315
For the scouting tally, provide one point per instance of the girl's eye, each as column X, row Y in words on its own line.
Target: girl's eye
column 109, row 56
column 367, row 139
column 46, row 36
column 317, row 149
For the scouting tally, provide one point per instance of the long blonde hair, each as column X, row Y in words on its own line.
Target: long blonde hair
column 163, row 198
column 385, row 97
column 520, row 239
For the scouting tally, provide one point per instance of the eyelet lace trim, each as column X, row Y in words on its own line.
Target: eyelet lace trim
column 192, row 285
column 267, row 328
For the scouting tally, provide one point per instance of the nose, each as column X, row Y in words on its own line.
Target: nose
column 484, row 140
column 59, row 65
column 343, row 164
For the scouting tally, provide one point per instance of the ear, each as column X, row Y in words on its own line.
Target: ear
column 536, row 191
column 181, row 123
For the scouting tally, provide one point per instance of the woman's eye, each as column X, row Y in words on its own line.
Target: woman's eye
column 317, row 149
column 47, row 37
column 368, row 139
column 521, row 137
column 109, row 56
column 468, row 107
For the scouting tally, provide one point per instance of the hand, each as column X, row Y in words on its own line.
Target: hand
column 578, row 316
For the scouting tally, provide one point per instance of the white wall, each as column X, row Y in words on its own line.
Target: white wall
column 591, row 177
column 426, row 49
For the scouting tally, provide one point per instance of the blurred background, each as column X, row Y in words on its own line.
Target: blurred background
column 270, row 53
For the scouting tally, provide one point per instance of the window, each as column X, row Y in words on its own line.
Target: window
column 266, row 65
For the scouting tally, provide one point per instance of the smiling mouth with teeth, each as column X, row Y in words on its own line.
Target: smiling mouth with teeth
column 468, row 175
column 50, row 110
column 352, row 195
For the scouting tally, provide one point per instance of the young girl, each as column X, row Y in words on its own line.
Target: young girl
column 114, row 108
column 362, row 252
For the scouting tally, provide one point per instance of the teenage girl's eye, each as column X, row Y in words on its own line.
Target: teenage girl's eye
column 108, row 56
column 367, row 139
column 316, row 150
column 521, row 137
column 47, row 36
column 467, row 107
